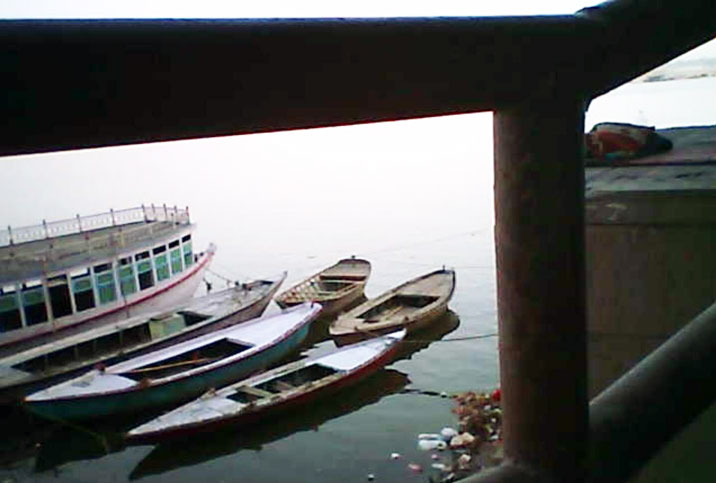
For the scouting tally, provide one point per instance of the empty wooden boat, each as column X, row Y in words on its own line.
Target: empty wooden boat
column 335, row 288
column 179, row 372
column 412, row 305
column 276, row 390
column 178, row 453
column 49, row 363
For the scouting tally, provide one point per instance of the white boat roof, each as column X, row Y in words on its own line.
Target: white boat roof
column 216, row 404
column 342, row 359
column 91, row 384
column 354, row 356
column 258, row 334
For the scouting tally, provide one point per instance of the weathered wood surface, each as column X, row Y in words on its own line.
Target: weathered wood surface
column 394, row 309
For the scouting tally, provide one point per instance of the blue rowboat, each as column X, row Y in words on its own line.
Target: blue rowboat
column 177, row 373
column 33, row 369
column 254, row 399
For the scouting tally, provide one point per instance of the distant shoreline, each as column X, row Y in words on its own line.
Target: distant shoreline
column 652, row 77
column 679, row 70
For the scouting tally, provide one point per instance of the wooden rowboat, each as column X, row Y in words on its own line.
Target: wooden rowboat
column 411, row 305
column 335, row 288
column 32, row 369
column 179, row 372
column 178, row 453
column 253, row 399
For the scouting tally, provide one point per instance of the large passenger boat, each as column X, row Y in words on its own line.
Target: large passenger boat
column 60, row 277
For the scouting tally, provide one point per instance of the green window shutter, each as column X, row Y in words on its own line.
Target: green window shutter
column 175, row 256
column 33, row 296
column 144, row 266
column 82, row 284
column 105, row 287
column 160, row 262
column 126, row 280
column 8, row 302
column 188, row 255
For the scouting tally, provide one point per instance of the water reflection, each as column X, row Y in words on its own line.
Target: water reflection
column 176, row 454
column 22, row 435
column 419, row 340
column 54, row 444
column 172, row 455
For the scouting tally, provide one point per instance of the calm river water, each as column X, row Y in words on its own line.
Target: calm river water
column 409, row 196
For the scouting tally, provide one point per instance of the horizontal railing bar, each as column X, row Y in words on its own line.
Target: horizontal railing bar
column 133, row 81
column 88, row 223
column 640, row 35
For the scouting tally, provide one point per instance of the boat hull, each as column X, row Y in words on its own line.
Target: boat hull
column 411, row 306
column 166, row 393
column 410, row 326
column 254, row 417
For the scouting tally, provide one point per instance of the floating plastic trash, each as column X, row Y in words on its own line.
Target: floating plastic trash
column 461, row 440
column 429, row 436
column 394, row 456
column 431, row 444
column 448, row 433
column 463, row 462
column 415, row 468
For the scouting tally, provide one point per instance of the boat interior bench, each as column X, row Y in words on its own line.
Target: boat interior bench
column 255, row 391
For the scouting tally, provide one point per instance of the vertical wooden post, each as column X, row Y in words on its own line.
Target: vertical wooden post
column 539, row 237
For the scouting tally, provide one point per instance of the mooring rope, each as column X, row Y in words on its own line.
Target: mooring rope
column 455, row 339
column 203, row 360
column 430, row 341
column 217, row 275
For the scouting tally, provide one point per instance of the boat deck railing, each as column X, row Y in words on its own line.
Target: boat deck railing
column 69, row 243
column 84, row 224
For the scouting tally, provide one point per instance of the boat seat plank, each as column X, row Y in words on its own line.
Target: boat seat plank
column 284, row 386
column 254, row 391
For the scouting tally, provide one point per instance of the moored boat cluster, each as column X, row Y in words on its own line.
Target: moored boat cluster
column 218, row 347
